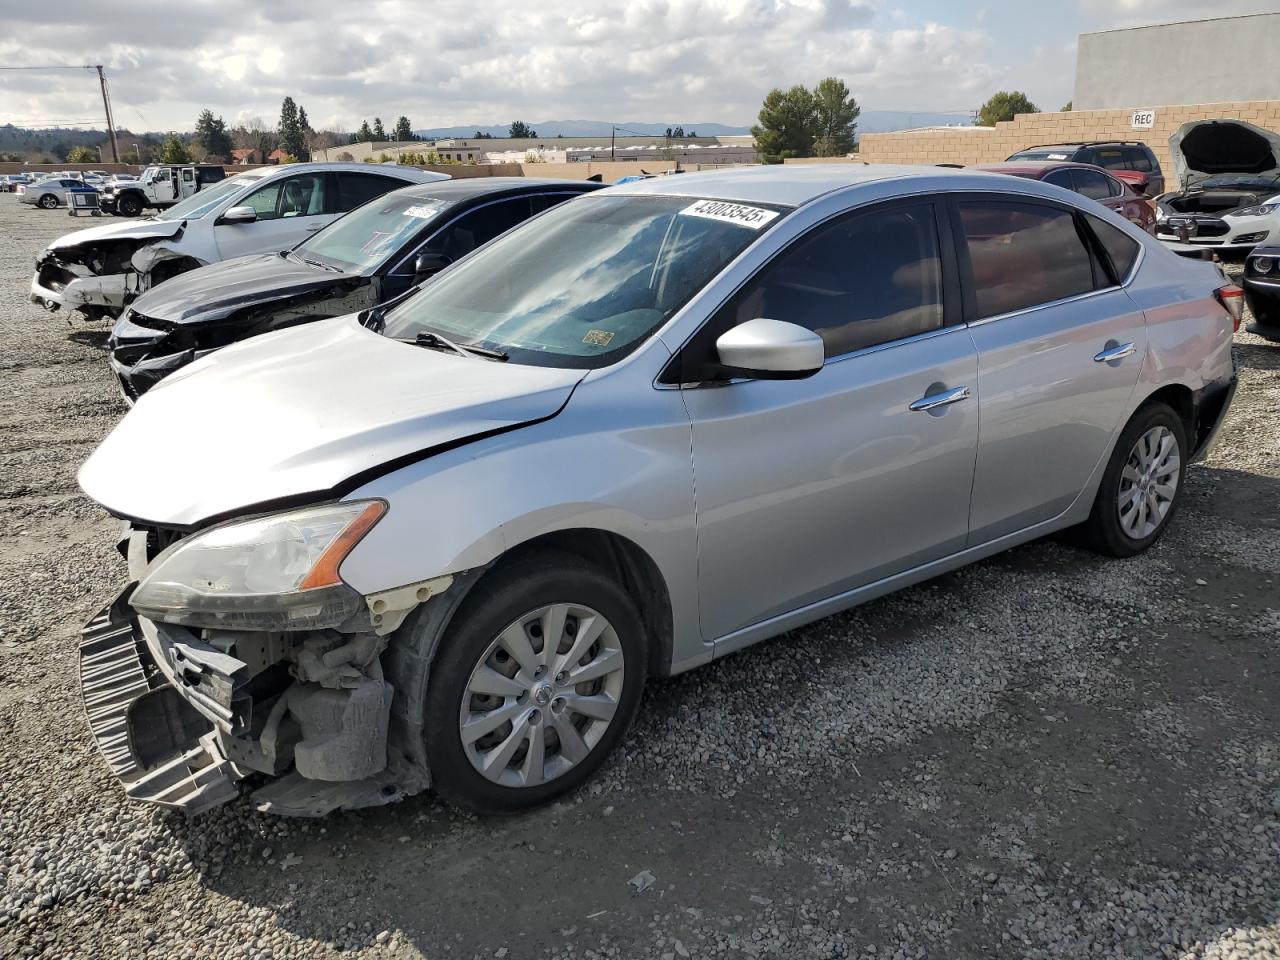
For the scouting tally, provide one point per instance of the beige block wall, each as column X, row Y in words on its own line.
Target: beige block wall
column 992, row 144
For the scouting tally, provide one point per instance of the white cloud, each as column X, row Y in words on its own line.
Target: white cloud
column 482, row 61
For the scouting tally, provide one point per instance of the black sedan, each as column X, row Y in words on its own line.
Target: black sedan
column 372, row 255
column 1262, row 291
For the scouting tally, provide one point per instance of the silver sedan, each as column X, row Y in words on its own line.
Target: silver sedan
column 447, row 541
column 52, row 192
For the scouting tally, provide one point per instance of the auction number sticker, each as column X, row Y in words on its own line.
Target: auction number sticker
column 726, row 212
column 423, row 211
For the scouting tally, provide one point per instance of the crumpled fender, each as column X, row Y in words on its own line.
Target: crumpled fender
column 146, row 257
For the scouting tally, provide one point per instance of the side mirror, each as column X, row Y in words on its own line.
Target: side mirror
column 429, row 263
column 765, row 349
column 239, row 215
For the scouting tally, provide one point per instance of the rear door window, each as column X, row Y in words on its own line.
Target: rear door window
column 1059, row 178
column 1022, row 255
column 355, row 189
column 1092, row 184
column 1139, row 159
column 1111, row 158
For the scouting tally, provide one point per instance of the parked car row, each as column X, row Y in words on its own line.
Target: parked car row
column 101, row 270
column 443, row 536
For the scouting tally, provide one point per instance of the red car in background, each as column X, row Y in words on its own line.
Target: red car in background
column 1086, row 180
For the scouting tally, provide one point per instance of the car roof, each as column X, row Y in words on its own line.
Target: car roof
column 1034, row 168
column 286, row 169
column 466, row 188
column 797, row 184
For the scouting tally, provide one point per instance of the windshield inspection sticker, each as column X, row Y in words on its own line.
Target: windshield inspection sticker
column 743, row 216
column 598, row 338
column 422, row 211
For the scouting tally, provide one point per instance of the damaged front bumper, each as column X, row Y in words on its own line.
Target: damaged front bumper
column 184, row 719
column 54, row 286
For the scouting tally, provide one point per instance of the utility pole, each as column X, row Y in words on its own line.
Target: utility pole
column 613, row 132
column 111, row 124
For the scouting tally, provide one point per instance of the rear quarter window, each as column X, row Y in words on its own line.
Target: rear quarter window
column 1121, row 248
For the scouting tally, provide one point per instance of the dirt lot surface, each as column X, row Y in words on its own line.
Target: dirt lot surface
column 1045, row 755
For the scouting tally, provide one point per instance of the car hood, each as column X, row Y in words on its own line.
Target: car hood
column 1203, row 148
column 210, row 292
column 297, row 413
column 128, row 230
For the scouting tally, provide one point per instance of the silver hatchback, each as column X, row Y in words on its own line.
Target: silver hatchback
column 446, row 542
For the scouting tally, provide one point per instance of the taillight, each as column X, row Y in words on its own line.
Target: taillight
column 1232, row 298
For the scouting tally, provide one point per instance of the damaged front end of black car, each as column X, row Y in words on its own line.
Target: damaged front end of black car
column 1262, row 292
column 200, row 312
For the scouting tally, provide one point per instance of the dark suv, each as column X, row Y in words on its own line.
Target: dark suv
column 1128, row 160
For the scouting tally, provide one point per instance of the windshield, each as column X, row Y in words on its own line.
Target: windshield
column 587, row 282
column 370, row 235
column 199, row 204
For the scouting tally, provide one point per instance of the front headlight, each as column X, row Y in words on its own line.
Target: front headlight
column 1261, row 210
column 278, row 572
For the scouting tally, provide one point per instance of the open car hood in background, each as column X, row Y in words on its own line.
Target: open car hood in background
column 1203, row 148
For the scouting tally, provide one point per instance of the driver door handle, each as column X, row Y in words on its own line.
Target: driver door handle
column 1113, row 354
column 935, row 400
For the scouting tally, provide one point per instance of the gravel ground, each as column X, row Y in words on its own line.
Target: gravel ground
column 1044, row 755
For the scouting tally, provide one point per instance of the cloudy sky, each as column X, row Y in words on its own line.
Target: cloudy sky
column 489, row 61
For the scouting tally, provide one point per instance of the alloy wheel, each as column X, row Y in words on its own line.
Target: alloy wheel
column 542, row 695
column 1148, row 483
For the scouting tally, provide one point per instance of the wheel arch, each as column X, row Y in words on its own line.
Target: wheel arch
column 416, row 644
column 1181, row 398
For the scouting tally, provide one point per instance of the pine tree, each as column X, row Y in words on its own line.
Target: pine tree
column 379, row 132
column 211, row 133
column 291, row 136
column 403, row 130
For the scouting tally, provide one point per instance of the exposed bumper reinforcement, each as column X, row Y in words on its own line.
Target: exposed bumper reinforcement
column 117, row 672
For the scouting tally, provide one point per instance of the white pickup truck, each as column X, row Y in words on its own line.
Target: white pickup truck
column 159, row 187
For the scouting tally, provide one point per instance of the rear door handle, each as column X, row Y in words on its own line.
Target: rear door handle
column 1116, row 353
column 935, row 400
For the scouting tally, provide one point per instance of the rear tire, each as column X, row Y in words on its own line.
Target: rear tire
column 129, row 205
column 49, row 201
column 554, row 733
column 1142, row 485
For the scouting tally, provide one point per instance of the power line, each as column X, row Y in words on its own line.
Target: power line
column 106, row 95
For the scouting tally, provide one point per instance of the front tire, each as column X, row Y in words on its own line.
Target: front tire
column 538, row 678
column 1142, row 485
column 49, row 201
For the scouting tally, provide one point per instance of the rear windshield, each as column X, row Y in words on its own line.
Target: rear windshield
column 585, row 283
column 1045, row 153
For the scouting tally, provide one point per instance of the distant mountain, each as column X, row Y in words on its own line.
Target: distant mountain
column 871, row 121
column 550, row 129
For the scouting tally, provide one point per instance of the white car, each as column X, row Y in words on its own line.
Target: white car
column 99, row 271
column 1228, row 200
column 51, row 192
